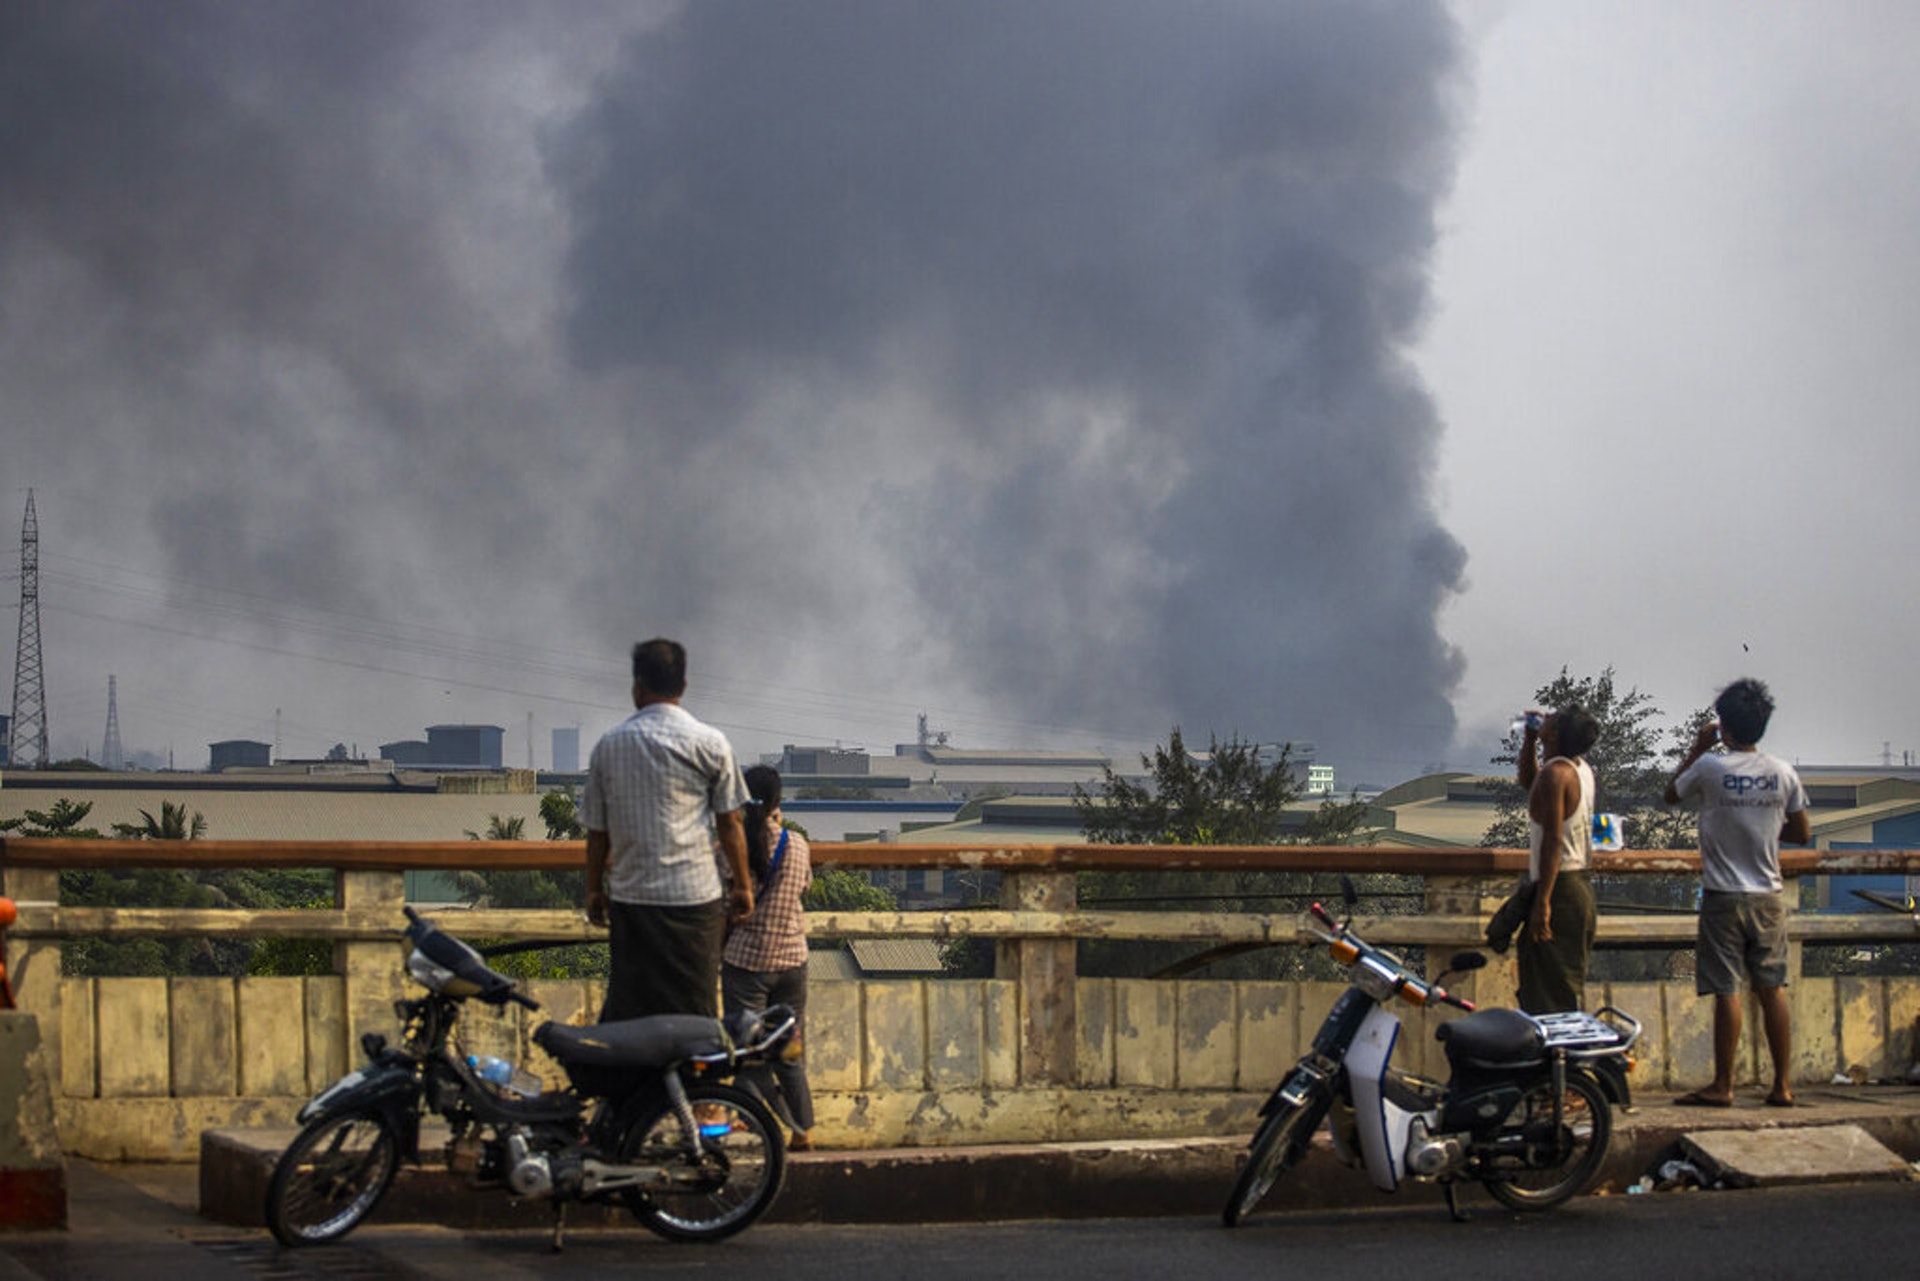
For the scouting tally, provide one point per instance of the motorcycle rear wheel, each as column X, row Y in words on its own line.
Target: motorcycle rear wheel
column 1577, row 1150
column 330, row 1178
column 1277, row 1146
column 741, row 1165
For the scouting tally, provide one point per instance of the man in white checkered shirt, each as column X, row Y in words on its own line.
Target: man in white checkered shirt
column 659, row 787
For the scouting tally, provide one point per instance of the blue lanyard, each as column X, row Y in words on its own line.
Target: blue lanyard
column 779, row 852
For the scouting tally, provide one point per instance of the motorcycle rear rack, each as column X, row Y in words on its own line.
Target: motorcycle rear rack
column 1583, row 1035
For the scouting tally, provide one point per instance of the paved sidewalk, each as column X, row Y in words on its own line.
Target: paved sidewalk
column 144, row 1220
column 124, row 1221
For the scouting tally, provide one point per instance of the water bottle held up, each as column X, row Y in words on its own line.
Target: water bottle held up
column 1531, row 720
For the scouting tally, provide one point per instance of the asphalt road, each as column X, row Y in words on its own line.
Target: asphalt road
column 1866, row 1229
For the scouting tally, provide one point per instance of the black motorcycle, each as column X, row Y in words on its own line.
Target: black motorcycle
column 1527, row 1111
column 649, row 1121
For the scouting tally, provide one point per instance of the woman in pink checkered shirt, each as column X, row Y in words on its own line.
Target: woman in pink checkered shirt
column 765, row 961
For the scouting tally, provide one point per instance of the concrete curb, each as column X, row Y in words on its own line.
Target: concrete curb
column 1059, row 1180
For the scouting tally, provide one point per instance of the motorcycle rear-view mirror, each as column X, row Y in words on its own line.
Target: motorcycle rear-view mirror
column 1465, row 962
column 1348, row 894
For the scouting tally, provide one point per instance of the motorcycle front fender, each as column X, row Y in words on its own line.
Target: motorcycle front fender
column 1300, row 1087
column 390, row 1090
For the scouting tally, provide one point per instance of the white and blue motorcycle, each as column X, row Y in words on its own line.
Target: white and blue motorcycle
column 1527, row 1111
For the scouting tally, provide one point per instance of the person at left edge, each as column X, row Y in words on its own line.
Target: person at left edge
column 660, row 787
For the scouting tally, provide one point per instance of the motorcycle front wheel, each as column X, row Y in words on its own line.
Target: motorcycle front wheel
column 330, row 1178
column 1277, row 1146
column 721, row 1181
column 1562, row 1160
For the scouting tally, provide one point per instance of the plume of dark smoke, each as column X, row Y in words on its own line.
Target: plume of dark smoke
column 1048, row 353
column 1095, row 316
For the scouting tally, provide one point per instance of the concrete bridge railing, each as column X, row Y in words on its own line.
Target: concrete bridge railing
column 141, row 1065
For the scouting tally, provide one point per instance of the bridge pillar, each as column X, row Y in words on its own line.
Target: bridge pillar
column 1476, row 896
column 1796, row 949
column 1044, row 972
column 33, row 1175
column 371, row 969
column 33, row 964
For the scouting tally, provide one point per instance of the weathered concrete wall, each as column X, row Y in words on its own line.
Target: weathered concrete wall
column 145, row 1064
column 33, row 1173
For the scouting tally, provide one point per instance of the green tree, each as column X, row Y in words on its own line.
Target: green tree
column 1630, row 767
column 1229, row 797
column 153, row 888
column 172, row 825
column 522, row 889
column 519, row 888
column 501, row 829
column 63, row 820
column 562, row 816
column 1663, row 826
column 837, row 889
column 260, row 888
column 1340, row 822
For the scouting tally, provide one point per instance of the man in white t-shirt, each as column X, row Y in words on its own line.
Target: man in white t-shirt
column 1749, row 803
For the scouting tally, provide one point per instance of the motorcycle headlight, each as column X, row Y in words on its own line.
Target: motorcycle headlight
column 1375, row 981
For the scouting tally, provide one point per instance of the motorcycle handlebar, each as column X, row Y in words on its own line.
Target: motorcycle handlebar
column 1402, row 981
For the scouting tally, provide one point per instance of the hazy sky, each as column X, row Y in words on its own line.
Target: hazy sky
column 1677, row 300
column 1063, row 369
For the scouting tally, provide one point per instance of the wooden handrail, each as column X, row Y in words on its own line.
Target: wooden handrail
column 399, row 856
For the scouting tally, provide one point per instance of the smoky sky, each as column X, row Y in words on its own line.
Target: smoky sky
column 1049, row 358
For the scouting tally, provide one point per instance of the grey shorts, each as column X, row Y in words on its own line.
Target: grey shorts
column 1741, row 936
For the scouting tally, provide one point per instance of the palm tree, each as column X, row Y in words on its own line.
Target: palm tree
column 562, row 817
column 172, row 825
column 501, row 829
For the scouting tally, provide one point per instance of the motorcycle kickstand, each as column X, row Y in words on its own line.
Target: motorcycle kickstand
column 1453, row 1202
column 559, row 1226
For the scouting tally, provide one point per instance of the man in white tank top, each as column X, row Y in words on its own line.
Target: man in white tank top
column 1552, row 950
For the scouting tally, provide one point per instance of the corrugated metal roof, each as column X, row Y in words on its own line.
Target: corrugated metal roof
column 952, row 756
column 1857, row 824
column 973, row 833
column 247, row 815
column 894, row 956
column 831, row 965
column 1447, row 822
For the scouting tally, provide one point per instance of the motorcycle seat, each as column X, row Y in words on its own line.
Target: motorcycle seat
column 1492, row 1038
column 651, row 1042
